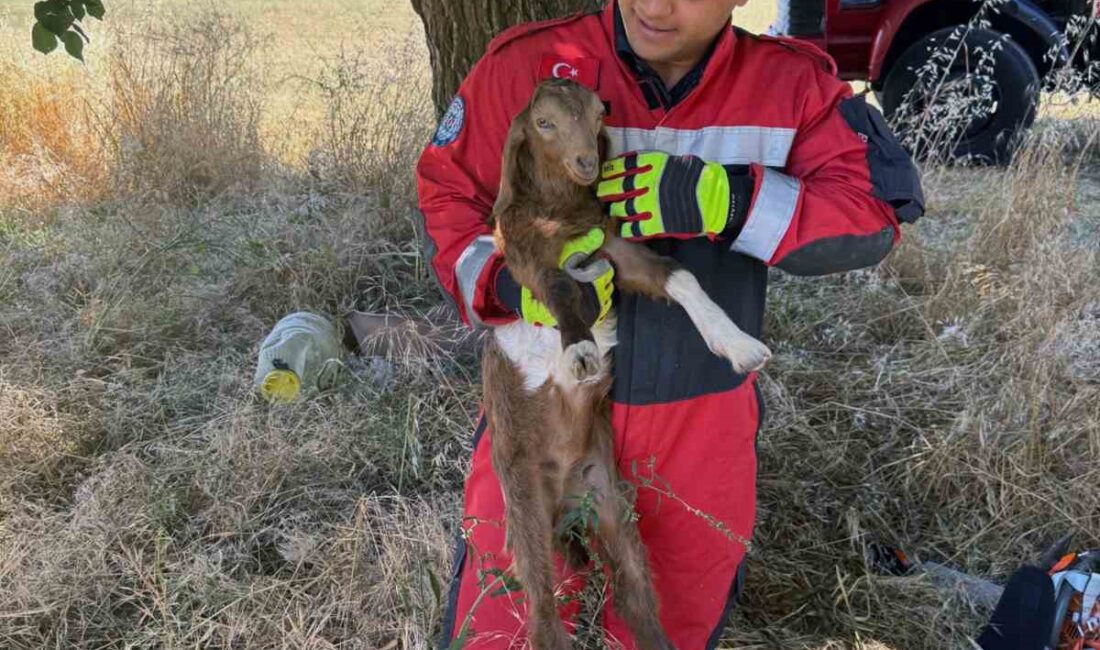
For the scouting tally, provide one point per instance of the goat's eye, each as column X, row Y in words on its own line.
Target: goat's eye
column 544, row 123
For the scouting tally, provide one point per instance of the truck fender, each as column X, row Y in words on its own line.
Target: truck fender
column 896, row 13
column 1030, row 16
column 1019, row 14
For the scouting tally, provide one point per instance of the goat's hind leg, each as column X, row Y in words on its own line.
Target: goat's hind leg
column 530, row 536
column 633, row 595
column 515, row 441
column 640, row 270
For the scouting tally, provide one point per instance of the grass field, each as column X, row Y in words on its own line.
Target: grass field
column 211, row 171
column 294, row 44
column 295, row 38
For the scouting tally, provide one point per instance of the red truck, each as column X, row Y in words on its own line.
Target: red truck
column 887, row 42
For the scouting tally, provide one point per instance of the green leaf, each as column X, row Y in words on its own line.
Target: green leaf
column 58, row 22
column 79, row 30
column 43, row 39
column 460, row 641
column 77, row 7
column 41, row 10
column 74, row 45
column 95, row 9
column 511, row 583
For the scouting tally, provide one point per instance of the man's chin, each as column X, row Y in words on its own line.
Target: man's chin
column 654, row 54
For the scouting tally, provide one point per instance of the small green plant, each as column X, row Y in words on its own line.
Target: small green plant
column 59, row 20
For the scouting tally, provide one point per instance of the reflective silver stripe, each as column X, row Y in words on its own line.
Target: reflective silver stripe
column 729, row 145
column 772, row 211
column 468, row 270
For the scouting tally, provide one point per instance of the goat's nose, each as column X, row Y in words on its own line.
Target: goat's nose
column 586, row 164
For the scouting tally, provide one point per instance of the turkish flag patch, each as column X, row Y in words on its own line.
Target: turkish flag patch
column 584, row 71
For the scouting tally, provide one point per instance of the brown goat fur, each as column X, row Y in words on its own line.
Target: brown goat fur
column 552, row 438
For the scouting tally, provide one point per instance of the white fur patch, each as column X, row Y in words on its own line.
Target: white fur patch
column 537, row 352
column 722, row 336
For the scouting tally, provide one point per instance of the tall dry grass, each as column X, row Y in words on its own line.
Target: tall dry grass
column 362, row 144
column 175, row 115
column 945, row 402
column 147, row 498
column 937, row 404
column 47, row 153
column 182, row 121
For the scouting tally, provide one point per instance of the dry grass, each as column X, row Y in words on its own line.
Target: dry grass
column 945, row 402
column 183, row 120
column 360, row 147
column 47, row 153
column 147, row 498
column 935, row 404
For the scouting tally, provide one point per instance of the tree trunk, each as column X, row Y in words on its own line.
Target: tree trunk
column 459, row 30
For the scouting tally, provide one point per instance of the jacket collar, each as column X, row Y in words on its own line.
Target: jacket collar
column 653, row 88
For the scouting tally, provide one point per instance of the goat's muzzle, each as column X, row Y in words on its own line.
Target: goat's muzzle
column 584, row 168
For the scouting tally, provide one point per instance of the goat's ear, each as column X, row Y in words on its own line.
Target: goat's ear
column 509, row 162
column 603, row 144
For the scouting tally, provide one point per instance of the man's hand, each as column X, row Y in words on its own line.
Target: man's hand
column 657, row 195
column 594, row 276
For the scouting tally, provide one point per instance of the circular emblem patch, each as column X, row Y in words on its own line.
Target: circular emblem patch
column 451, row 124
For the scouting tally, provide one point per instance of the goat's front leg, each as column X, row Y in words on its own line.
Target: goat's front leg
column 640, row 270
column 562, row 296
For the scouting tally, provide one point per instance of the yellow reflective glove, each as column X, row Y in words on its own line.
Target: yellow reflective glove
column 595, row 275
column 655, row 195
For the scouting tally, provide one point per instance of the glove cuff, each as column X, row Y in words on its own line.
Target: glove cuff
column 741, row 185
column 507, row 291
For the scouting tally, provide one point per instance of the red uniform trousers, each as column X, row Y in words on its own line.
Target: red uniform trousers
column 689, row 461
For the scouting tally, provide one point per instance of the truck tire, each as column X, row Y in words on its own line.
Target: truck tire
column 1012, row 80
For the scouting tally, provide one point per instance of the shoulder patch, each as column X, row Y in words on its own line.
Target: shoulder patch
column 450, row 125
column 516, row 32
column 796, row 45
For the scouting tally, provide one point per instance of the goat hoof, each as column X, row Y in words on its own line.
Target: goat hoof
column 747, row 354
column 583, row 360
column 743, row 352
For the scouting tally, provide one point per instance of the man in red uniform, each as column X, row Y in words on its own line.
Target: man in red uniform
column 743, row 152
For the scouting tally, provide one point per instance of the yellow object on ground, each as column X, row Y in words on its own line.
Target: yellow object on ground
column 301, row 353
column 281, row 386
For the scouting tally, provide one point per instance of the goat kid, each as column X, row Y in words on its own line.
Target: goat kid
column 546, row 390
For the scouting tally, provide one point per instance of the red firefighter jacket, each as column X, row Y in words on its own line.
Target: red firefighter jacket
column 829, row 180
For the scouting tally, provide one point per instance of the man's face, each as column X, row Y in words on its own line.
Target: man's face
column 674, row 31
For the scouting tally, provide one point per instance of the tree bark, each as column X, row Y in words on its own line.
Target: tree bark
column 459, row 30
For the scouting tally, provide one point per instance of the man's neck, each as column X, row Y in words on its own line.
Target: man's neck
column 672, row 73
column 674, row 76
